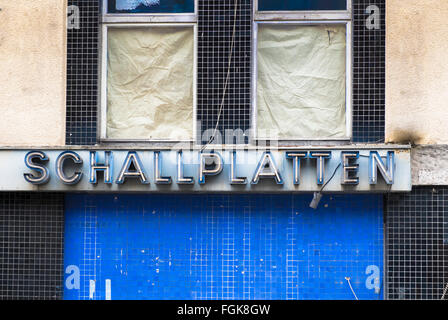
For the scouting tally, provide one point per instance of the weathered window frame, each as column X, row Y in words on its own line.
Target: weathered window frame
column 148, row 17
column 305, row 18
column 132, row 20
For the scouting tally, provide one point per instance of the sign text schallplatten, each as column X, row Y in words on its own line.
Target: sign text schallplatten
column 301, row 170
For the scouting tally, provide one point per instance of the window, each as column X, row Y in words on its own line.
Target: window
column 148, row 70
column 150, row 6
column 301, row 5
column 302, row 70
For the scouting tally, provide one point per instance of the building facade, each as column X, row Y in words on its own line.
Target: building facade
column 234, row 149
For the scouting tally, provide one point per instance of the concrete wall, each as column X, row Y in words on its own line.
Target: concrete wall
column 429, row 165
column 33, row 57
column 417, row 71
column 32, row 77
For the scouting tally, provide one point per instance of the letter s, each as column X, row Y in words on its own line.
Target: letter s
column 43, row 172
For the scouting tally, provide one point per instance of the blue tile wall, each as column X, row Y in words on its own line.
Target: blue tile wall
column 223, row 246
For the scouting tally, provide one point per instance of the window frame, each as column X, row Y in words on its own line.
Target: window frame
column 303, row 15
column 143, row 20
column 147, row 17
column 339, row 17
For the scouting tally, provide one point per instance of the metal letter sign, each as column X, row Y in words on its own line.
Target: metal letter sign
column 289, row 170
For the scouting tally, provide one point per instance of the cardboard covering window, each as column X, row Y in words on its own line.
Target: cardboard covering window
column 301, row 81
column 150, row 83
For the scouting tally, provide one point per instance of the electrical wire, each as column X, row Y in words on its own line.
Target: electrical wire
column 227, row 78
column 336, row 169
column 444, row 292
column 381, row 289
column 351, row 288
column 315, row 202
column 334, row 172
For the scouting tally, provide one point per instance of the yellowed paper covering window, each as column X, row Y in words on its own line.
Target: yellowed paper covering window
column 301, row 85
column 150, row 83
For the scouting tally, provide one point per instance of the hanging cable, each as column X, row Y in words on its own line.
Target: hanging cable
column 227, row 78
column 318, row 195
column 444, row 292
column 334, row 172
column 351, row 288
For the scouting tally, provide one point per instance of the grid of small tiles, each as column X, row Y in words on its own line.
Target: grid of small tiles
column 417, row 244
column 368, row 72
column 224, row 246
column 31, row 246
column 223, row 88
column 224, row 68
column 82, row 75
